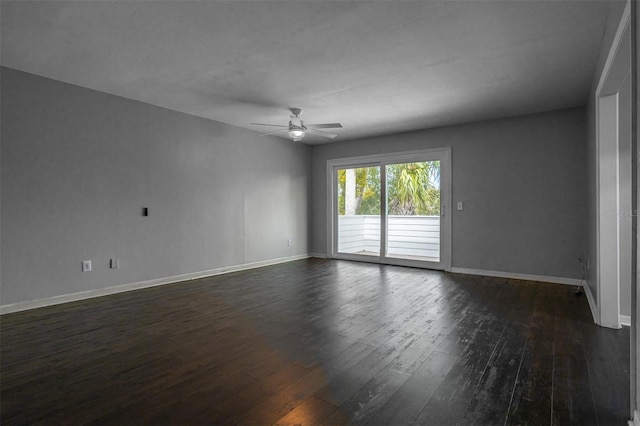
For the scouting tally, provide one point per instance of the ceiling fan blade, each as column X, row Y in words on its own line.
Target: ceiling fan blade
column 272, row 125
column 325, row 126
column 273, row 133
column 321, row 133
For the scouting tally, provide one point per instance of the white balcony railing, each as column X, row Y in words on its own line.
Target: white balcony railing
column 407, row 236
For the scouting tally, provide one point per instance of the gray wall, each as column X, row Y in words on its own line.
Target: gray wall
column 79, row 165
column 615, row 13
column 522, row 181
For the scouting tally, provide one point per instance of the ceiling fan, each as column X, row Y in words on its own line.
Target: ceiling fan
column 297, row 128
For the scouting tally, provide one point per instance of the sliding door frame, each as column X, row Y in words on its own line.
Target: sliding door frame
column 442, row 154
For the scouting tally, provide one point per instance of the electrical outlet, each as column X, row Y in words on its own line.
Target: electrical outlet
column 289, row 242
column 86, row 266
column 114, row 263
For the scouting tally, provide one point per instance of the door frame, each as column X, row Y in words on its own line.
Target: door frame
column 607, row 309
column 444, row 155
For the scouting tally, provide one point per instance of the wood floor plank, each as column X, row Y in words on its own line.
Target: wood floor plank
column 493, row 393
column 453, row 397
column 531, row 397
column 572, row 401
column 281, row 403
column 339, row 389
column 403, row 406
column 371, row 396
column 608, row 385
column 311, row 412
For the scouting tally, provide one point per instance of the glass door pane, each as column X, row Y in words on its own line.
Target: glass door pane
column 359, row 210
column 413, row 211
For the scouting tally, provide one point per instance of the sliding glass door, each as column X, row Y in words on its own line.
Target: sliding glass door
column 391, row 210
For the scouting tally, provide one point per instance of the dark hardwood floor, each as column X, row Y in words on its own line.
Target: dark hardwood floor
column 318, row 342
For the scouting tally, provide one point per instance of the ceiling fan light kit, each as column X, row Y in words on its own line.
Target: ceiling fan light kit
column 296, row 134
column 297, row 131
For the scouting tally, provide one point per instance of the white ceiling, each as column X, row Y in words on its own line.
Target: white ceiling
column 378, row 67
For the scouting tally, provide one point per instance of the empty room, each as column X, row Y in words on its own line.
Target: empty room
column 318, row 212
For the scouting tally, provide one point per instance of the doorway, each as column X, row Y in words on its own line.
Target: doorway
column 614, row 176
column 391, row 209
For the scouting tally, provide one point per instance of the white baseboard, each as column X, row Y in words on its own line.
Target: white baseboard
column 625, row 320
column 56, row 300
column 592, row 303
column 516, row 276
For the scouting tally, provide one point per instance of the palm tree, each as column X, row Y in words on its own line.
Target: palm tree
column 359, row 191
column 412, row 188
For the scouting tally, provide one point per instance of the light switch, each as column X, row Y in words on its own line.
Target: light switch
column 459, row 205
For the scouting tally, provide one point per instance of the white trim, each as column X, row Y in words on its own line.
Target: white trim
column 613, row 50
column 391, row 157
column 330, row 221
column 636, row 419
column 318, row 255
column 66, row 298
column 608, row 239
column 592, row 303
column 516, row 276
column 625, row 320
column 615, row 45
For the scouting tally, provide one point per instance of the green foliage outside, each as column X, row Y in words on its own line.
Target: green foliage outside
column 367, row 190
column 412, row 189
